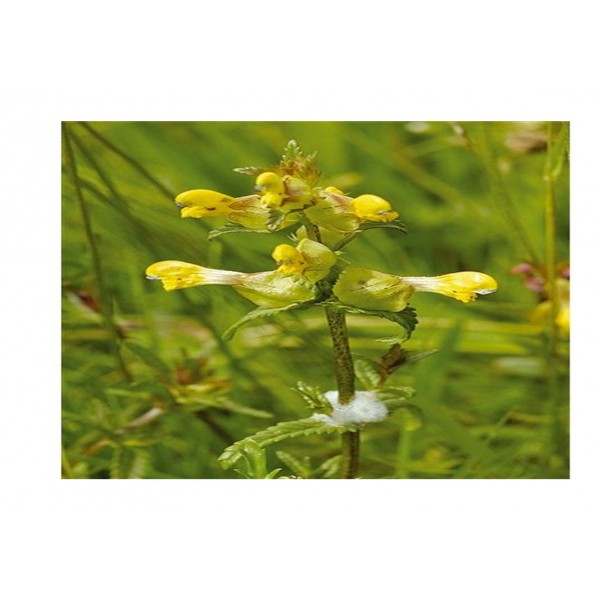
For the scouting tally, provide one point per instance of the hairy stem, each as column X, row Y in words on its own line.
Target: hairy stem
column 344, row 373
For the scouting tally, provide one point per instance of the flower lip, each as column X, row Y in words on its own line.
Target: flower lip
column 464, row 286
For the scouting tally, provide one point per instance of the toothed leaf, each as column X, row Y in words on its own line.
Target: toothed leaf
column 279, row 433
column 406, row 318
column 257, row 313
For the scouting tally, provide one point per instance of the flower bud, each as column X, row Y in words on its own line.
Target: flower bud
column 268, row 289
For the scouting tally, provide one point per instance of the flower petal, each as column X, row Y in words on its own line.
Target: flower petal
column 204, row 203
column 176, row 275
column 373, row 208
column 464, row 286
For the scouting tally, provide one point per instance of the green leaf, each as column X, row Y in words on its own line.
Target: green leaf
column 367, row 372
column 314, row 397
column 329, row 468
column 200, row 401
column 232, row 228
column 278, row 433
column 275, row 219
column 250, row 170
column 407, row 318
column 298, row 467
column 128, row 463
column 397, row 391
column 255, row 458
column 257, row 313
column 389, row 225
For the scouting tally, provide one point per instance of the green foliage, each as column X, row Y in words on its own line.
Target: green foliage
column 407, row 318
column 314, row 398
column 257, row 313
column 279, row 433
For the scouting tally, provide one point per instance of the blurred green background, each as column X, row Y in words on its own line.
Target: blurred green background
column 494, row 398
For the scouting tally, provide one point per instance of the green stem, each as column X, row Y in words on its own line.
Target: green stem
column 103, row 291
column 344, row 373
column 344, row 367
column 554, row 158
column 403, row 455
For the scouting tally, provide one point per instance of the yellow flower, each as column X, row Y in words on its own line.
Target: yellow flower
column 373, row 290
column 248, row 211
column 464, row 286
column 267, row 289
column 309, row 259
column 283, row 192
column 373, row 208
column 541, row 313
column 289, row 259
column 177, row 275
column 272, row 189
column 204, row 203
column 338, row 212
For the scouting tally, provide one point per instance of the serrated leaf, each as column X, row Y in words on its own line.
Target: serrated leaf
column 279, row 433
column 232, row 228
column 200, row 401
column 255, row 458
column 367, row 372
column 257, row 313
column 250, row 170
column 407, row 318
column 396, row 397
column 128, row 463
column 295, row 465
column 329, row 468
column 275, row 219
column 384, row 225
column 314, row 397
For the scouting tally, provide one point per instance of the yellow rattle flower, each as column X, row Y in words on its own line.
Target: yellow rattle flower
column 464, row 286
column 272, row 189
column 309, row 259
column 204, row 203
column 373, row 290
column 268, row 289
column 373, row 208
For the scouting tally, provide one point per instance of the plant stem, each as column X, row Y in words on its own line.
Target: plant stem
column 344, row 367
column 554, row 159
column 344, row 373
